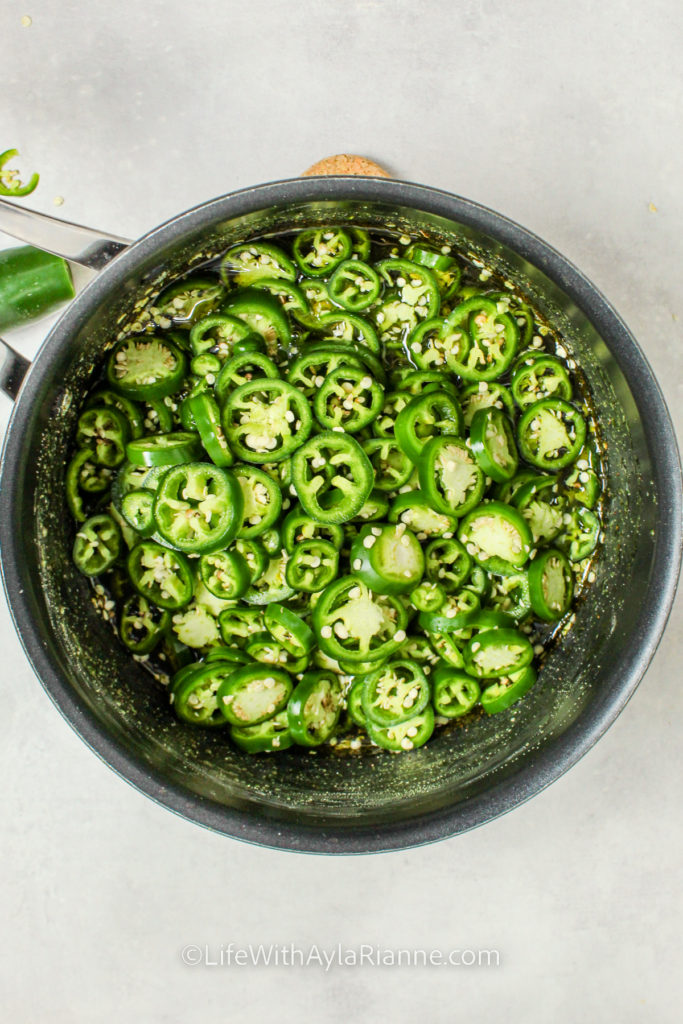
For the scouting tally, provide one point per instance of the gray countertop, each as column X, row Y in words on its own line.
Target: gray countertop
column 567, row 117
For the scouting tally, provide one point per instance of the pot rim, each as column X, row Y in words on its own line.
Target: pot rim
column 561, row 753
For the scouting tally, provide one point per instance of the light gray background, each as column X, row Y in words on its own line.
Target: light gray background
column 567, row 117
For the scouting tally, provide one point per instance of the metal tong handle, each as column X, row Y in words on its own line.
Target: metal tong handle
column 77, row 244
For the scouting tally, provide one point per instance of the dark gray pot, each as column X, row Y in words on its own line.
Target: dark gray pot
column 324, row 802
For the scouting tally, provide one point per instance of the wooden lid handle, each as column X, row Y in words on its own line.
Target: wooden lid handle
column 346, row 163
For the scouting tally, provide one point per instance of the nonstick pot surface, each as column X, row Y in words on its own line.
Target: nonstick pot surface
column 323, row 801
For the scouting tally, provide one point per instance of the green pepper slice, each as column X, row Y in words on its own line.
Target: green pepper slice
column 394, row 321
column 391, row 466
column 195, row 693
column 128, row 408
column 262, row 501
column 412, row 508
column 218, row 334
column 428, row 596
column 455, row 693
column 161, row 575
column 314, row 708
column 318, row 251
column 385, row 424
column 237, row 624
column 545, row 519
column 540, row 377
column 187, row 301
column 415, row 285
column 198, row 507
column 142, row 624
column 580, row 536
column 506, row 302
column 250, row 262
column 482, row 342
column 492, row 441
column 266, row 420
column 225, row 574
column 349, row 399
column 97, row 545
column 254, row 554
column 207, row 419
column 455, row 613
column 106, row 431
column 318, row 302
column 10, row 183
column 354, row 354
column 332, row 476
column 289, row 630
column 83, row 474
column 233, row 655
column 346, row 327
column 289, row 295
column 146, row 367
column 172, row 449
column 447, row 563
column 266, row 737
column 130, row 478
column 158, row 416
column 447, row 647
column 253, row 694
column 272, row 541
column 428, row 415
column 511, row 595
column 264, row 648
column 417, row 382
column 450, row 479
column 388, row 559
column 272, row 585
column 508, row 690
column 582, row 484
column 551, row 433
column 497, row 652
column 195, row 625
column 263, row 314
column 479, row 582
column 312, row 565
column 356, row 625
column 484, row 395
column 361, row 242
column 551, row 585
column 405, row 736
column 137, row 508
column 376, row 507
column 429, row 344
column 497, row 537
column 206, row 365
column 309, row 370
column 444, row 267
column 298, row 526
column 354, row 285
column 243, row 368
column 354, row 703
column 395, row 692
column 482, row 620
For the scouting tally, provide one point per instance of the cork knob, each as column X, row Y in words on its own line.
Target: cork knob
column 346, row 163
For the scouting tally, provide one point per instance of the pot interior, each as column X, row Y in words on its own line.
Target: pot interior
column 323, row 790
